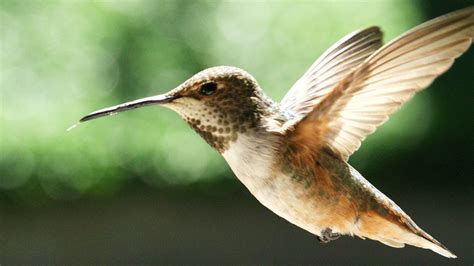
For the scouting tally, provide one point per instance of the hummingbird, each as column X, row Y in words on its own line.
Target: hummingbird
column 293, row 155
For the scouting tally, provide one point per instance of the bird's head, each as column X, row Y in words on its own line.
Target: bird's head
column 218, row 103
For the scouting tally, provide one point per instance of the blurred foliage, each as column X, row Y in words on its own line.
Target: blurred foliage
column 62, row 59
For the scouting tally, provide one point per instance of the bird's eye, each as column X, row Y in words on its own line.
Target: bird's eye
column 208, row 88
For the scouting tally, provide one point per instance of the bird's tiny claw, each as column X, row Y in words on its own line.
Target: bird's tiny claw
column 327, row 235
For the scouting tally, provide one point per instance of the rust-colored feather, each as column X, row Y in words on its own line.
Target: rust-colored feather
column 367, row 95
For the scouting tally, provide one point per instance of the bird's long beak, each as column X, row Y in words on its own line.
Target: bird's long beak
column 158, row 99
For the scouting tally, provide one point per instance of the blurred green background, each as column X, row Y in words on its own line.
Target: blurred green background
column 60, row 60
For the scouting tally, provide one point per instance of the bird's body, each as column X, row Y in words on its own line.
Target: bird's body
column 292, row 156
column 328, row 198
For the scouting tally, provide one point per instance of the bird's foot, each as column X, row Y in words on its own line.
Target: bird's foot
column 327, row 235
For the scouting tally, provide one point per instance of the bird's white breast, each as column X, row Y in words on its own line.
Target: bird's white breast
column 251, row 157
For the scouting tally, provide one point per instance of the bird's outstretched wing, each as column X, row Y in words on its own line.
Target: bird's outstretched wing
column 330, row 68
column 365, row 97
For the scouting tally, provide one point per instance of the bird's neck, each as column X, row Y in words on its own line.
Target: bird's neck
column 222, row 126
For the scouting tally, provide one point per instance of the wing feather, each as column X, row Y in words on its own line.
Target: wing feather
column 389, row 77
column 330, row 68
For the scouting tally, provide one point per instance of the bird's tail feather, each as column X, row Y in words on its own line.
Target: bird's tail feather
column 397, row 235
column 428, row 242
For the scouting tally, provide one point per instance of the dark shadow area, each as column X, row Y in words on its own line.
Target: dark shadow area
column 200, row 228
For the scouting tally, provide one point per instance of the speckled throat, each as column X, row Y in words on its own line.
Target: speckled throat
column 238, row 105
